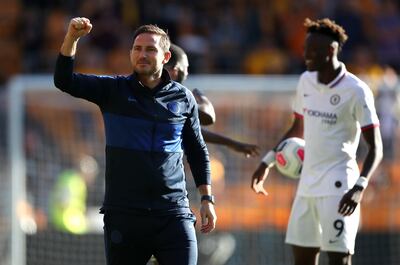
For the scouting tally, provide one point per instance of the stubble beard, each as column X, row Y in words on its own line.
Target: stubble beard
column 148, row 73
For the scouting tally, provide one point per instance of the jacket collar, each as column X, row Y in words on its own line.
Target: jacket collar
column 163, row 85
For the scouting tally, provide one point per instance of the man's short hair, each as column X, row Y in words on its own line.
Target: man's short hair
column 165, row 42
column 177, row 54
column 328, row 28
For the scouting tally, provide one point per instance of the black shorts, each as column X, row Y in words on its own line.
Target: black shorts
column 134, row 238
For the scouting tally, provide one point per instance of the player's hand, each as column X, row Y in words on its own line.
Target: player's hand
column 258, row 178
column 350, row 200
column 208, row 217
column 78, row 27
column 247, row 149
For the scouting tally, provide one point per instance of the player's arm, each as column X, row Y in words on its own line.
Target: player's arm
column 78, row 27
column 90, row 87
column 374, row 156
column 260, row 174
column 207, row 211
column 205, row 108
column 215, row 138
column 198, row 159
column 353, row 197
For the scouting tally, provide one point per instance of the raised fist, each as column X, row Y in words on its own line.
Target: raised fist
column 78, row 27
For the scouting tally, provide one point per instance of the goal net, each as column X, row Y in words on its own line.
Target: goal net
column 54, row 139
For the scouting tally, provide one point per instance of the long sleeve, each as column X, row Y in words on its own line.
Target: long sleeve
column 93, row 88
column 195, row 148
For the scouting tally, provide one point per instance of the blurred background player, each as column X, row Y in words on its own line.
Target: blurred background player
column 177, row 67
column 68, row 201
column 219, row 247
column 332, row 108
column 388, row 109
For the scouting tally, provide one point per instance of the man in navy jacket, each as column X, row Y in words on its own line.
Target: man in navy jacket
column 150, row 122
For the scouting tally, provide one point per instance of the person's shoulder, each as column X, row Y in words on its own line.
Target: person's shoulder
column 181, row 91
column 359, row 90
column 123, row 77
column 178, row 87
column 306, row 78
column 108, row 77
column 307, row 75
column 117, row 82
column 357, row 84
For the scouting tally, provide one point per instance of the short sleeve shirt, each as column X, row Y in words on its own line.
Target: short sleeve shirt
column 334, row 116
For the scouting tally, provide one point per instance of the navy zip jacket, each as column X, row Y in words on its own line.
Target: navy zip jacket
column 146, row 133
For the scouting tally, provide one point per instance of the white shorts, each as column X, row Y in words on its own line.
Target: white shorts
column 315, row 222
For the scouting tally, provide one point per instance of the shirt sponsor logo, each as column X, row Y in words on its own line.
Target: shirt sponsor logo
column 326, row 117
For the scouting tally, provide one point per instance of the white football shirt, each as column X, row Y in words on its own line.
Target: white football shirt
column 334, row 115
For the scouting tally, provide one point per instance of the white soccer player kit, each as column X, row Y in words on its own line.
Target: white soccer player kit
column 334, row 116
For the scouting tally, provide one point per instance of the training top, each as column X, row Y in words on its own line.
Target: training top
column 147, row 131
column 334, row 116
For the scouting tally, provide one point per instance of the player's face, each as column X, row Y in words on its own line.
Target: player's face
column 316, row 52
column 147, row 56
column 182, row 68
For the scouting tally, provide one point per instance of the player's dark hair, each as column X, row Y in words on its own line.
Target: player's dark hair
column 177, row 54
column 327, row 27
column 154, row 29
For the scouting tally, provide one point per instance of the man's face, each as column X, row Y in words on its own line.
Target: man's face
column 181, row 69
column 147, row 56
column 317, row 51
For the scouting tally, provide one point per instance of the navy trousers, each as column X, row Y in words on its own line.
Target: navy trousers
column 131, row 239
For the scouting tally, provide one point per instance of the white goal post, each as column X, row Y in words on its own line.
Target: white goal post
column 16, row 89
